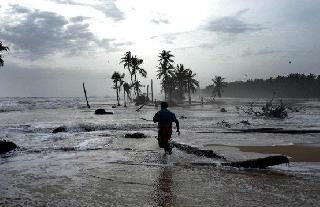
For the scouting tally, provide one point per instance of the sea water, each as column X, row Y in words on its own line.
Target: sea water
column 93, row 164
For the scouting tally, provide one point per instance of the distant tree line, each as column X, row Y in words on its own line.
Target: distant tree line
column 291, row 86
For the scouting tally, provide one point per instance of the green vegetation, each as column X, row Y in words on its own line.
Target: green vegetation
column 133, row 65
column 291, row 86
column 217, row 86
column 176, row 81
column 118, row 82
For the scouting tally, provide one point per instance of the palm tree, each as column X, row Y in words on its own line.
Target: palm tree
column 127, row 62
column 118, row 81
column 2, row 48
column 126, row 90
column 136, row 62
column 218, row 85
column 181, row 81
column 165, row 69
column 191, row 83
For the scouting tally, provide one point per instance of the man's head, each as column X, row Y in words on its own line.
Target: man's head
column 164, row 105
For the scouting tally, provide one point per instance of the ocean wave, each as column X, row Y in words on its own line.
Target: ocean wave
column 84, row 127
column 24, row 104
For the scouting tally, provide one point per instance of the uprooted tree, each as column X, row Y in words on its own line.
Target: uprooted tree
column 270, row 109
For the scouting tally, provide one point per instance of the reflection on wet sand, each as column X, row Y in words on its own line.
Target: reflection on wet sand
column 164, row 192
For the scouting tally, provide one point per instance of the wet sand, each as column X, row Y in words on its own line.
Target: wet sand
column 296, row 153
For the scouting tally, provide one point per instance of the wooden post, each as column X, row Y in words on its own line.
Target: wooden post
column 85, row 94
column 148, row 91
column 152, row 90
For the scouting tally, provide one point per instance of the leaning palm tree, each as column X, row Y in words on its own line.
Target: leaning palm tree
column 192, row 83
column 165, row 69
column 118, row 81
column 219, row 84
column 126, row 60
column 2, row 48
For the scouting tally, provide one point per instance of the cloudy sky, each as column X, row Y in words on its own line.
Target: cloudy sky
column 55, row 45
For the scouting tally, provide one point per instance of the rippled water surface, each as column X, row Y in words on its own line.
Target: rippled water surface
column 92, row 164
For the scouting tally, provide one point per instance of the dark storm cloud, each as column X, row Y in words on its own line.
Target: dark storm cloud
column 79, row 19
column 19, row 9
column 107, row 7
column 232, row 24
column 41, row 33
column 160, row 21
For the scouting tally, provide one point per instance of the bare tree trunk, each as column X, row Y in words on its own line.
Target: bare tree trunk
column 85, row 94
column 124, row 98
column 117, row 94
column 189, row 94
column 152, row 90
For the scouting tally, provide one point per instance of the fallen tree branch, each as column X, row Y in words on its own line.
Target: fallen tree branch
column 259, row 163
column 196, row 151
column 140, row 107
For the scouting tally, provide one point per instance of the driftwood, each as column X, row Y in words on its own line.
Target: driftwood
column 135, row 135
column 275, row 131
column 259, row 163
column 85, row 94
column 102, row 112
column 196, row 151
column 140, row 107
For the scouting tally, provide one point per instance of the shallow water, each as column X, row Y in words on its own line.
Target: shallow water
column 104, row 168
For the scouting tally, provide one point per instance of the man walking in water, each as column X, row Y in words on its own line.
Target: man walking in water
column 164, row 117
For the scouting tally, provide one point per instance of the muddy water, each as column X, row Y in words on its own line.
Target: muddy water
column 105, row 169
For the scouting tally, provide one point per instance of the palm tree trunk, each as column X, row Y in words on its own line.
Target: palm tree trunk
column 124, row 98
column 189, row 94
column 117, row 93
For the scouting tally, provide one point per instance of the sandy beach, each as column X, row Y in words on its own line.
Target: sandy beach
column 296, row 153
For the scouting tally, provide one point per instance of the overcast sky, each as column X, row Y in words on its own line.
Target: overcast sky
column 55, row 45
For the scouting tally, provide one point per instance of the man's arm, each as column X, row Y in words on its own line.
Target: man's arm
column 156, row 118
column 178, row 126
column 177, row 123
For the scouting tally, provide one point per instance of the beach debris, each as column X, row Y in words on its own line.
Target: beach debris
column 85, row 94
column 138, row 109
column 196, row 151
column 145, row 119
column 7, row 146
column 113, row 106
column 102, row 111
column 224, row 123
column 223, row 110
column 275, row 131
column 136, row 135
column 141, row 100
column 245, row 122
column 269, row 110
column 182, row 117
column 260, row 163
column 59, row 129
